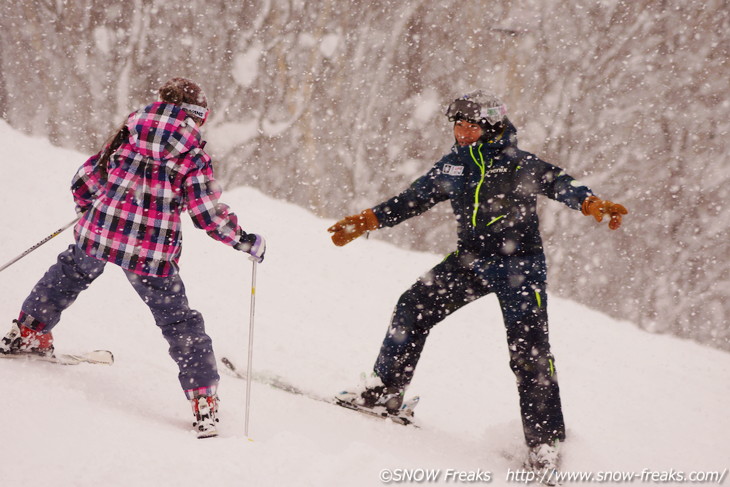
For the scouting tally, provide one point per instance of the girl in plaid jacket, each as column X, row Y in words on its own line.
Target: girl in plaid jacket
column 129, row 197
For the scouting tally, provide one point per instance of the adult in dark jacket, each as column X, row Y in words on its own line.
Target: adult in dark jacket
column 493, row 187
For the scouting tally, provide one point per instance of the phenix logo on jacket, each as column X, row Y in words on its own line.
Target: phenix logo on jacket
column 132, row 218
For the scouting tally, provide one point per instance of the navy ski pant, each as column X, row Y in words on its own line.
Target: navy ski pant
column 182, row 327
column 519, row 283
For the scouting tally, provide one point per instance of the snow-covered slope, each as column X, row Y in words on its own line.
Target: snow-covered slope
column 632, row 400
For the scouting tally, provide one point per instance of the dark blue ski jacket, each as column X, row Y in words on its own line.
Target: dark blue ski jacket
column 493, row 188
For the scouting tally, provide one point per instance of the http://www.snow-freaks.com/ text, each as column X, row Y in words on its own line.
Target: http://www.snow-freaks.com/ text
column 548, row 477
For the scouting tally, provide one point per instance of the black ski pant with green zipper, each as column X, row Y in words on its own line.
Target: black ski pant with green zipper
column 519, row 283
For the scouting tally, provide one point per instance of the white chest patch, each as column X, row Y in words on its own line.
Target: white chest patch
column 452, row 170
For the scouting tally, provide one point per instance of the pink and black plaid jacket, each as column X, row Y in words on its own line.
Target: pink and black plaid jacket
column 132, row 218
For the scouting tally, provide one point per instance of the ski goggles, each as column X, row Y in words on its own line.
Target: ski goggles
column 474, row 112
column 196, row 111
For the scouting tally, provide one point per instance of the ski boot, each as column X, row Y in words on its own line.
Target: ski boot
column 544, row 461
column 205, row 409
column 21, row 339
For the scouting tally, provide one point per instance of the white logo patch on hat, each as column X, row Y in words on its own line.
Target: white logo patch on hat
column 195, row 110
column 452, row 170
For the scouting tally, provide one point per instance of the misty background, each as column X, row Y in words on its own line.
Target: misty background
column 337, row 106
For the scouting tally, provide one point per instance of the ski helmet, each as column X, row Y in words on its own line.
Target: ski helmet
column 478, row 107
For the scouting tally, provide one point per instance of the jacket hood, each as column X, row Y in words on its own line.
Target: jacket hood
column 162, row 131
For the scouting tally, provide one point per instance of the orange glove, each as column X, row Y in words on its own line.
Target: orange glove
column 598, row 208
column 351, row 227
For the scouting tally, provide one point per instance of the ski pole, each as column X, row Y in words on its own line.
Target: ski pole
column 249, row 369
column 54, row 234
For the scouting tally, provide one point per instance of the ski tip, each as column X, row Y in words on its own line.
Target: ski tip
column 228, row 363
column 107, row 354
column 103, row 357
column 203, row 436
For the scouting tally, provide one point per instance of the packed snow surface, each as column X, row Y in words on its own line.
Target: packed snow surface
column 633, row 401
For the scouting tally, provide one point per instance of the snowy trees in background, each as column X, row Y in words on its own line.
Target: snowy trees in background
column 339, row 105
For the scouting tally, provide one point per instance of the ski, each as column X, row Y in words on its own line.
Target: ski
column 271, row 380
column 404, row 417
column 98, row 357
